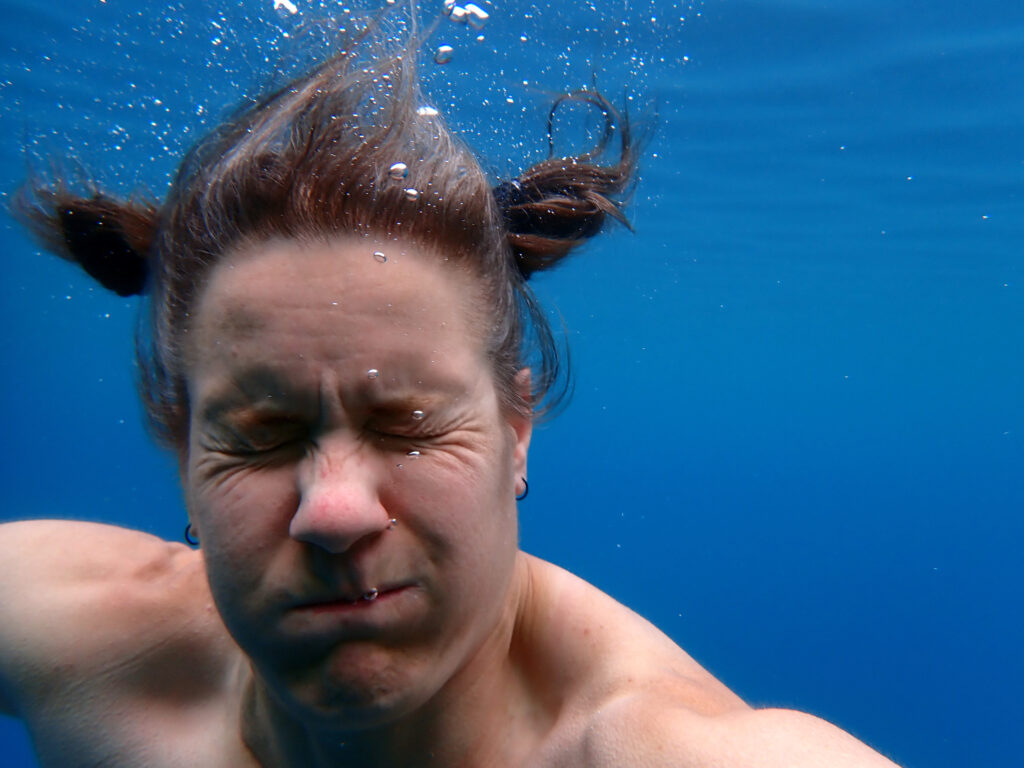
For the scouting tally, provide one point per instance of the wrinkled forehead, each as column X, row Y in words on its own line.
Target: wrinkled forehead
column 363, row 288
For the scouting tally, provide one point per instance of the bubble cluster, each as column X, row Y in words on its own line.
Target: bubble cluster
column 470, row 13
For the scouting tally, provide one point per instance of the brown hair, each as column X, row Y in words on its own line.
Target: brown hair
column 316, row 158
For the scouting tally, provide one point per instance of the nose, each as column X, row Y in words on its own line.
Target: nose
column 339, row 502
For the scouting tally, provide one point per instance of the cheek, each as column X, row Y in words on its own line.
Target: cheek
column 464, row 501
column 240, row 511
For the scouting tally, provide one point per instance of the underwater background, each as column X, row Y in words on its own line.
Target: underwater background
column 797, row 437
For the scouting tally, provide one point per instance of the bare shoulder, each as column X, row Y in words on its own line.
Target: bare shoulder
column 631, row 696
column 651, row 732
column 596, row 649
column 84, row 605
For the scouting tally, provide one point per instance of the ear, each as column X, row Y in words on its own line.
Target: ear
column 521, row 425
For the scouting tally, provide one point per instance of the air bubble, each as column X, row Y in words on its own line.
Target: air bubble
column 443, row 55
column 427, row 111
column 449, row 6
column 392, row 523
column 413, row 454
column 417, row 415
column 459, row 14
column 373, row 373
column 398, row 171
column 477, row 16
column 379, row 256
column 285, row 6
column 370, row 595
column 412, row 194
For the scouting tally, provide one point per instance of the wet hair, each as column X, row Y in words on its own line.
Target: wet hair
column 316, row 158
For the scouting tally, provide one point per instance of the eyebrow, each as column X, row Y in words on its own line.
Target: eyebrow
column 240, row 320
column 247, row 388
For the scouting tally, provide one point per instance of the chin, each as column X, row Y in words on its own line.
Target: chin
column 355, row 691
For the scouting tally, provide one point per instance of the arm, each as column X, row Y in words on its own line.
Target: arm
column 783, row 738
column 83, row 605
column 661, row 736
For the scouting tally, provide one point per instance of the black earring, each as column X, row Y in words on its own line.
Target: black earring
column 526, row 490
column 190, row 537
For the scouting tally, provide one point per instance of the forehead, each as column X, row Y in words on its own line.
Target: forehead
column 348, row 297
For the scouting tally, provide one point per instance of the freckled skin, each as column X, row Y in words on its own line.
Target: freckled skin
column 120, row 649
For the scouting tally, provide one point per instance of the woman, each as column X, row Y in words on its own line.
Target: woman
column 338, row 355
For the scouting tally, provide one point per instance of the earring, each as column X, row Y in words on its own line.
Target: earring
column 526, row 490
column 190, row 537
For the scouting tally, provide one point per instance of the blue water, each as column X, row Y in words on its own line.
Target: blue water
column 798, row 432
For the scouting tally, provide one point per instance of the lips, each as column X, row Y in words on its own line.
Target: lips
column 350, row 599
column 322, row 622
column 367, row 597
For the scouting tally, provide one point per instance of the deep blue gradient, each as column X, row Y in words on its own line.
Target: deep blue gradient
column 797, row 434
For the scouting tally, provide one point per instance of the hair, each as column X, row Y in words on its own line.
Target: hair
column 315, row 159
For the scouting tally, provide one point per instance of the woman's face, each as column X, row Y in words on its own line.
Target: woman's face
column 350, row 472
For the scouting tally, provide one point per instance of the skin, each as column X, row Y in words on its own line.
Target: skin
column 120, row 649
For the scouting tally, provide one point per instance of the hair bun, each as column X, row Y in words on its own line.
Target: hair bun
column 100, row 247
column 558, row 204
column 110, row 239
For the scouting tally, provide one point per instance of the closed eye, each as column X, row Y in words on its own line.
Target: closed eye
column 259, row 438
column 245, row 450
column 394, row 437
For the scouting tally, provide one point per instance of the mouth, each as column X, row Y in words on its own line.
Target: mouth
column 343, row 617
column 371, row 596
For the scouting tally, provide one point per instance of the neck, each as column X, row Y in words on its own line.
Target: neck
column 484, row 715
